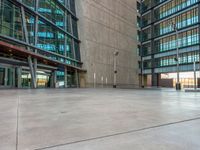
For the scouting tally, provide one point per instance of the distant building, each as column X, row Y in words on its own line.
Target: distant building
column 106, row 27
column 158, row 40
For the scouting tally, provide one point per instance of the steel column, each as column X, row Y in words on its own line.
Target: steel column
column 33, row 79
column 32, row 72
column 199, row 35
column 6, row 77
column 195, row 77
column 35, row 42
column 54, row 79
column 72, row 40
column 77, row 78
column 66, row 83
column 19, row 74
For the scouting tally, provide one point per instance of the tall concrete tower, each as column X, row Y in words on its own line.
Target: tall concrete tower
column 107, row 27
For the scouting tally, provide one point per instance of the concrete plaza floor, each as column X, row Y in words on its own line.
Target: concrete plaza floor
column 99, row 119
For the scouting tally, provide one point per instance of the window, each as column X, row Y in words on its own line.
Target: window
column 50, row 39
column 11, row 22
column 172, row 7
column 29, row 3
column 187, row 38
column 75, row 27
column 183, row 20
column 30, row 22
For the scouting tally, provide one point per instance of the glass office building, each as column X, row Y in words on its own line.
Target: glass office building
column 158, row 21
column 39, row 44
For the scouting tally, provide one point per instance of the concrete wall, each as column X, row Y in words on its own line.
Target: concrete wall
column 104, row 27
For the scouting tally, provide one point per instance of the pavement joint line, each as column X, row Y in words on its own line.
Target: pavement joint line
column 120, row 133
column 17, row 123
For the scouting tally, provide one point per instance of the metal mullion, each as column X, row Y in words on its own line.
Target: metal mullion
column 65, row 39
column 65, row 78
column 35, row 43
column 72, row 40
column 36, row 31
column 28, row 48
column 2, row 9
column 36, row 5
column 6, row 77
column 199, row 35
column 154, row 82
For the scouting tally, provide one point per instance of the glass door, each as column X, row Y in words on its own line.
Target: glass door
column 43, row 79
column 26, row 79
column 7, row 76
column 2, row 76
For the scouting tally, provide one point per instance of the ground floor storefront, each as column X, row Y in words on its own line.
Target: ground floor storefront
column 187, row 79
column 23, row 67
column 13, row 76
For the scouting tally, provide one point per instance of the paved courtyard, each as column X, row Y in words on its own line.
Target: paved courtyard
column 99, row 119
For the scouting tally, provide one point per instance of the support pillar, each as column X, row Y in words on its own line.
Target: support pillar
column 13, row 77
column 10, row 77
column 51, row 80
column 155, row 79
column 33, row 78
column 77, row 79
column 19, row 77
column 6, row 77
column 66, row 82
column 54, row 79
column 32, row 72
column 35, row 69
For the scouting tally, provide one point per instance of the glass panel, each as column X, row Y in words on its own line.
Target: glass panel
column 50, row 39
column 30, row 3
column 26, row 79
column 30, row 22
column 69, row 48
column 75, row 28
column 72, row 6
column 68, row 25
column 2, row 76
column 11, row 21
column 77, row 50
column 10, row 77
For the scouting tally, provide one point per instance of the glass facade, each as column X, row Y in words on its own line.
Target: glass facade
column 11, row 22
column 49, row 27
column 57, row 28
column 186, row 38
column 166, row 25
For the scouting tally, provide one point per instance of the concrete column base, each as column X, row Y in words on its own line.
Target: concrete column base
column 178, row 86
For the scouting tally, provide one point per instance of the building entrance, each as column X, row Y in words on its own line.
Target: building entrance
column 186, row 79
column 7, row 76
column 43, row 79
